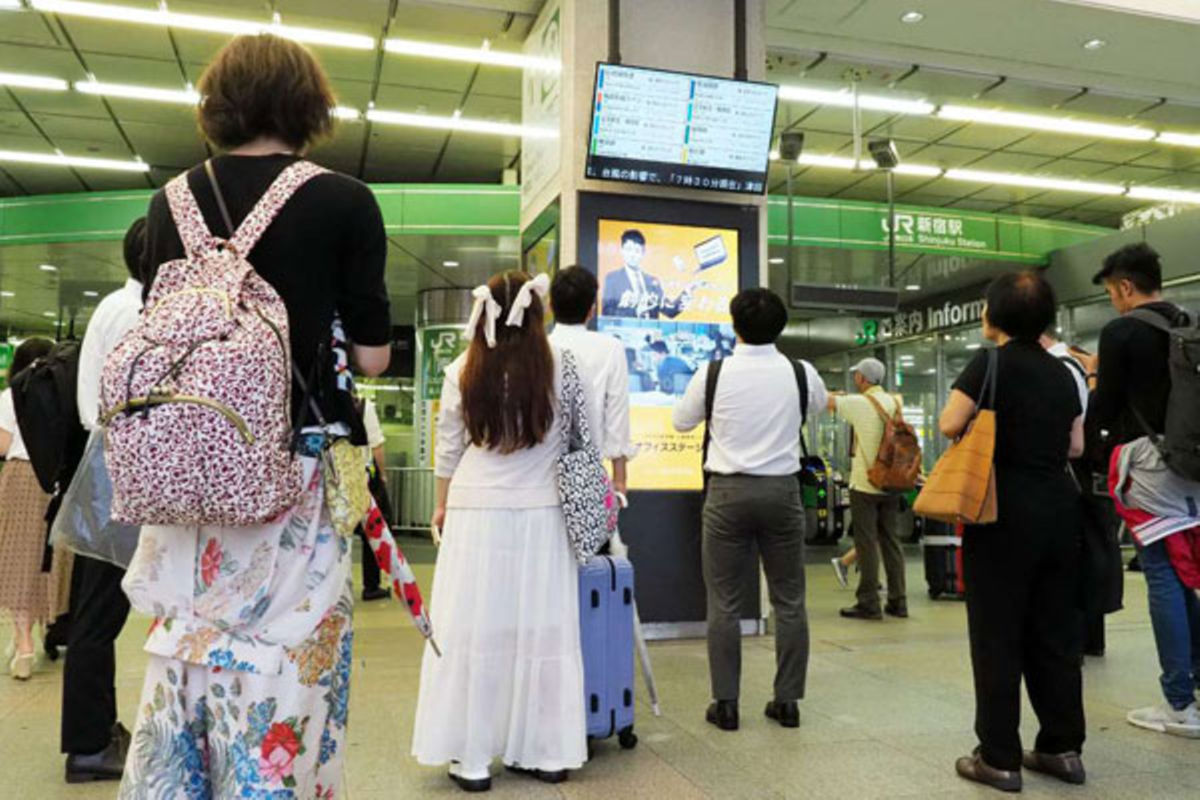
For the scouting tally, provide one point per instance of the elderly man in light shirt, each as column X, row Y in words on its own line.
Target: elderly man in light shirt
column 94, row 741
column 874, row 512
column 602, row 364
column 758, row 413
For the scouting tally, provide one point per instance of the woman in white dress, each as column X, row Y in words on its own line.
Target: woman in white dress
column 509, row 683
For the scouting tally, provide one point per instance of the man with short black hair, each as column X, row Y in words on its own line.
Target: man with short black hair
column 94, row 741
column 1132, row 391
column 753, row 498
column 633, row 292
column 602, row 365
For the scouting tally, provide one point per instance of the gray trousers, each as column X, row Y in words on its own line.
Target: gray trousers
column 874, row 519
column 739, row 512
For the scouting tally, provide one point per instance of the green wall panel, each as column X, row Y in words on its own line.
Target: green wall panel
column 464, row 209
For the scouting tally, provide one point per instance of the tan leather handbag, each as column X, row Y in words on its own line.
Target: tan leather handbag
column 962, row 486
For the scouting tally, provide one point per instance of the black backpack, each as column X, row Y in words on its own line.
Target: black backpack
column 1180, row 445
column 44, row 401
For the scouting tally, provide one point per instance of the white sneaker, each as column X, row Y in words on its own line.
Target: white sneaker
column 841, row 571
column 1165, row 719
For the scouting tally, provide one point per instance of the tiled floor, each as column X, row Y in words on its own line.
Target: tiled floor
column 889, row 708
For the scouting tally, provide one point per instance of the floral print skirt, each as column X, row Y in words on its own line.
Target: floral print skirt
column 211, row 732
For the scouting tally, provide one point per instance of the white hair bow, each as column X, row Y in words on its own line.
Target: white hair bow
column 541, row 285
column 487, row 308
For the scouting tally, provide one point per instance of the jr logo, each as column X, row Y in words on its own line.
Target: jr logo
column 904, row 224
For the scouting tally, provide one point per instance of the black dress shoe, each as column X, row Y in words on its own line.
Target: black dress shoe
column 896, row 610
column 858, row 612
column 472, row 785
column 378, row 593
column 974, row 768
column 123, row 738
column 785, row 712
column 723, row 714
column 107, row 765
column 556, row 776
column 1067, row 767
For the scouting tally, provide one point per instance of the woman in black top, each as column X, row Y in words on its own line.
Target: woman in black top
column 1022, row 573
column 251, row 646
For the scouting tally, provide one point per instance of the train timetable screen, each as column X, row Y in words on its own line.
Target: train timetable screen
column 674, row 129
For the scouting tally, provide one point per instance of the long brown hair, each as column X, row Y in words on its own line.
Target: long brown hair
column 508, row 391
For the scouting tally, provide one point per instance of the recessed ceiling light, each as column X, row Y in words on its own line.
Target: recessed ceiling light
column 90, row 293
column 22, row 81
column 912, row 287
column 7, row 294
column 449, row 263
column 49, row 314
column 1094, row 44
column 474, row 55
column 227, row 26
column 48, row 268
column 912, row 17
column 60, row 160
column 776, row 260
column 974, row 346
column 460, row 123
column 187, row 97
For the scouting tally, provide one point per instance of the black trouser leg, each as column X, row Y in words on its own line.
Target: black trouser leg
column 89, row 705
column 997, row 595
column 370, row 567
column 1094, row 641
column 891, row 551
column 1053, row 646
column 781, row 545
column 865, row 509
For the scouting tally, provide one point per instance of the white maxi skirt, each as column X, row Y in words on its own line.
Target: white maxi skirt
column 505, row 610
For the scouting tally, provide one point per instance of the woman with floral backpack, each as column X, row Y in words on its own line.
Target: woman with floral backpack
column 247, row 685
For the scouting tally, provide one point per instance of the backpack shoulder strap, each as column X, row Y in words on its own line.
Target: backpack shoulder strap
column 269, row 205
column 802, row 386
column 1074, row 366
column 883, row 415
column 710, row 388
column 1151, row 318
column 710, row 395
column 189, row 222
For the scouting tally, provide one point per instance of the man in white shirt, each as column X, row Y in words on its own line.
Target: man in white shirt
column 602, row 364
column 1103, row 570
column 754, row 498
column 94, row 741
column 874, row 513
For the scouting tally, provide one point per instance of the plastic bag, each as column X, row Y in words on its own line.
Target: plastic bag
column 84, row 523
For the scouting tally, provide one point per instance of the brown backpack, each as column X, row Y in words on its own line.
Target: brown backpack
column 898, row 462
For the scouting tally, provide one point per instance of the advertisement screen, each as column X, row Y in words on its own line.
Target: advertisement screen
column 664, row 293
column 674, row 129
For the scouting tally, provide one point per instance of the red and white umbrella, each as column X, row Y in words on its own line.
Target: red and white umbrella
column 391, row 560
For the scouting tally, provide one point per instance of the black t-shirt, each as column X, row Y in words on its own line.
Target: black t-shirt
column 324, row 253
column 1037, row 402
column 1134, row 374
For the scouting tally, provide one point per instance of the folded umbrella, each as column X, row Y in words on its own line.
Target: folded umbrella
column 618, row 548
column 391, row 560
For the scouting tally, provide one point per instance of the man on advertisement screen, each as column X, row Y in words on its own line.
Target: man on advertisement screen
column 633, row 292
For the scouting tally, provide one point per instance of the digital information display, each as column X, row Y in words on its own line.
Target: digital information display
column 673, row 129
column 665, row 293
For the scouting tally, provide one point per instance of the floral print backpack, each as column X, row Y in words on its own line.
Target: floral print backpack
column 196, row 397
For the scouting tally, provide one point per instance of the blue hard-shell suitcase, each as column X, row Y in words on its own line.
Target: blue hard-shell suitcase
column 606, row 634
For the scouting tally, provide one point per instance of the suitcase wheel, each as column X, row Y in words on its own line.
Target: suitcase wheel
column 627, row 738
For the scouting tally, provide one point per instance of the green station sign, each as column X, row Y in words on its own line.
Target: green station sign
column 859, row 225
